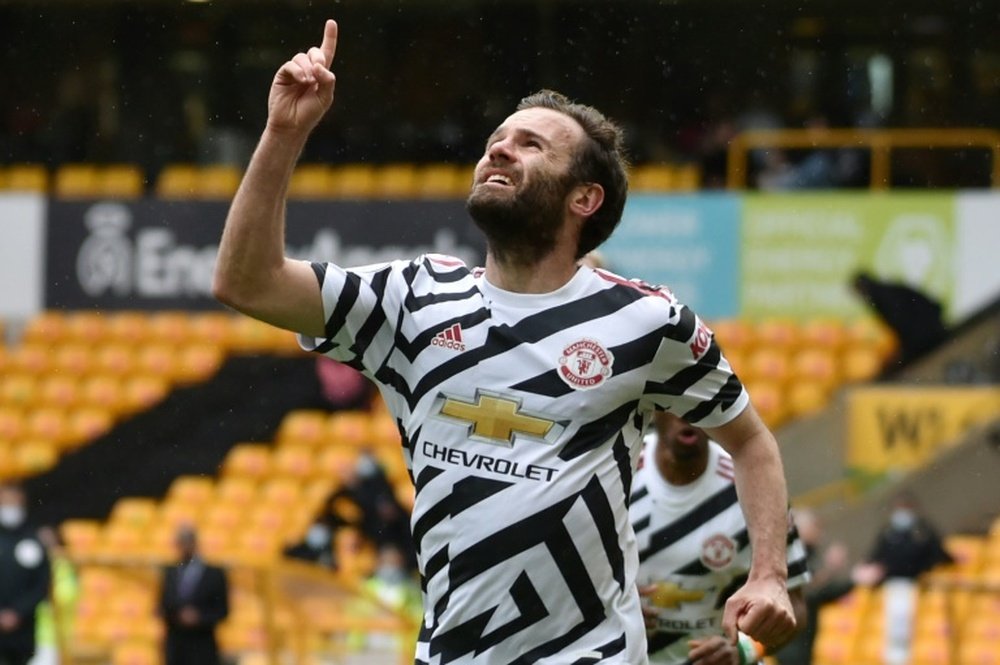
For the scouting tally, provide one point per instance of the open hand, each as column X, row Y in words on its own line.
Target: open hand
column 302, row 89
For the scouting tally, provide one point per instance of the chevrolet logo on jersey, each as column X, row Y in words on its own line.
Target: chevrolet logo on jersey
column 497, row 419
column 670, row 595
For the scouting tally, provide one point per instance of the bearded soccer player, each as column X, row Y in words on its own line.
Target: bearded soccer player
column 694, row 550
column 522, row 388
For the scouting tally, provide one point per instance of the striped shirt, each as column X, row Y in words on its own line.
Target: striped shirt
column 522, row 418
column 694, row 546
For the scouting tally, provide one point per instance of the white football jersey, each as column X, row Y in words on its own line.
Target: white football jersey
column 694, row 546
column 522, row 420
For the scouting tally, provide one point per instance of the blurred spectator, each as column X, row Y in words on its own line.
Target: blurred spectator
column 54, row 616
column 913, row 316
column 907, row 547
column 830, row 581
column 820, row 168
column 24, row 577
column 381, row 518
column 194, row 599
column 342, row 387
column 316, row 546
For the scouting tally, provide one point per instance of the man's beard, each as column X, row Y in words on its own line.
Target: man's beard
column 523, row 228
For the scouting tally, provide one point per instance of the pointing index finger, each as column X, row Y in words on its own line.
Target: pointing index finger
column 329, row 45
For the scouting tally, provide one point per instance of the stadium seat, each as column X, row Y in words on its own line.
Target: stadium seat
column 45, row 328
column 384, row 432
column 140, row 652
column 49, row 424
column 278, row 491
column 158, row 360
column 33, row 358
column 778, row 334
column 647, row 178
column 143, row 391
column 73, row 358
column 19, row 389
column 396, row 181
column 248, row 460
column 823, row 333
column 197, row 362
column 350, row 428
column 27, row 178
column 124, row 539
column 12, row 425
column 817, row 365
column 687, row 178
column 8, row 465
column 768, row 364
column 75, row 181
column 237, row 490
column 979, row 652
column 304, row 427
column 170, row 327
column 440, row 181
column 868, row 332
column 121, row 181
column 294, row 461
column 224, row 516
column 177, row 181
column 191, row 490
column 860, row 364
column 60, row 391
column 81, row 536
column 104, row 391
column 931, row 650
column 86, row 327
column 807, row 397
column 833, row 649
column 87, row 423
column 217, row 181
column 212, row 328
column 733, row 334
column 353, row 181
column 138, row 511
column 310, row 181
column 768, row 398
column 115, row 358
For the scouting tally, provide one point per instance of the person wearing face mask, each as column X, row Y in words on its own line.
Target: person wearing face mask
column 907, row 547
column 316, row 546
column 194, row 599
column 24, row 577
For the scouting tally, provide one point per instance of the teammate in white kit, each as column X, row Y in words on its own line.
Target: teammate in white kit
column 521, row 389
column 693, row 547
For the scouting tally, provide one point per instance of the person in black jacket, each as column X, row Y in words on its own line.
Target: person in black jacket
column 194, row 599
column 24, row 577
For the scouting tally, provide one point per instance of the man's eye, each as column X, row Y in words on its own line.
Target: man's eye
column 533, row 144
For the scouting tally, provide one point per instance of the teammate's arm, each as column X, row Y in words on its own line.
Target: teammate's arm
column 252, row 274
column 761, row 608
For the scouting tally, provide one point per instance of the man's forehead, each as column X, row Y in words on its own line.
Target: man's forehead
column 545, row 122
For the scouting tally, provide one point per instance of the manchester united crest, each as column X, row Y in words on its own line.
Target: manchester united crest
column 585, row 364
column 718, row 551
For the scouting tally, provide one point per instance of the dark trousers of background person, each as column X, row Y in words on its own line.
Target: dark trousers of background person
column 194, row 646
column 10, row 657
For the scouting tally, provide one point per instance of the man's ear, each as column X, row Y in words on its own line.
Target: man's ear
column 585, row 199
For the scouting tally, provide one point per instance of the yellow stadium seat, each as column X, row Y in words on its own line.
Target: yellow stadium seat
column 384, row 432
column 768, row 364
column 27, row 178
column 396, row 181
column 833, row 649
column 212, row 328
column 871, row 333
column 353, row 181
column 226, row 516
column 143, row 391
column 77, row 181
column 32, row 457
column 440, row 181
column 217, row 181
column 104, row 391
column 238, row 490
column 769, row 400
column 350, row 428
column 816, row 365
column 860, row 364
column 823, row 333
column 48, row 424
column 197, row 362
column 336, row 462
column 294, row 461
column 81, row 536
column 304, row 427
column 87, row 423
column 192, row 490
column 687, row 178
column 121, row 181
column 279, row 491
column 777, row 334
column 115, row 358
column 20, row 389
column 807, row 397
column 177, row 181
column 140, row 511
column 59, row 390
column 253, row 336
column 123, row 539
column 930, row 650
column 158, row 360
column 12, row 425
column 33, row 358
column 73, row 358
column 8, row 465
column 979, row 652
column 170, row 327
column 250, row 460
column 86, row 327
column 733, row 334
column 647, row 178
column 136, row 653
column 310, row 181
column 46, row 328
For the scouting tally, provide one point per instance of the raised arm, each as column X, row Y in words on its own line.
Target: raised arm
column 252, row 274
column 761, row 608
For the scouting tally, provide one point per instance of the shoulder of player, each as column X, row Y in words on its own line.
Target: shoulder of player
column 661, row 294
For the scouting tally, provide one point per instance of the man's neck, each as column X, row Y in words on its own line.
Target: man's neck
column 549, row 274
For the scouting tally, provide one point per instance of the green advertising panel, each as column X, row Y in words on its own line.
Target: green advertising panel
column 801, row 250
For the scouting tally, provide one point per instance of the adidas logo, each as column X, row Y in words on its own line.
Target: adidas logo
column 450, row 338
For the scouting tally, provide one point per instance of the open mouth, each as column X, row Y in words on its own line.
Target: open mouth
column 688, row 436
column 499, row 179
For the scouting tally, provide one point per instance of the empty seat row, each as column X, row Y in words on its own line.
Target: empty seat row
column 310, row 181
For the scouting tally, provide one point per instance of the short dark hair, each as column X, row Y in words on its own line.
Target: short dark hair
column 601, row 159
